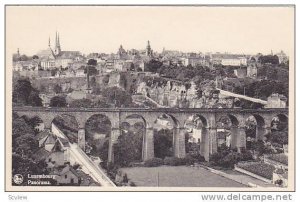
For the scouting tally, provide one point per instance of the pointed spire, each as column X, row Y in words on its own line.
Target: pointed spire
column 49, row 42
column 58, row 43
column 56, row 39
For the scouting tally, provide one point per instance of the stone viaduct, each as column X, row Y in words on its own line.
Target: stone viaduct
column 209, row 117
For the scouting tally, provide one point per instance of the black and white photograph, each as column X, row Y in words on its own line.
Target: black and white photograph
column 150, row 98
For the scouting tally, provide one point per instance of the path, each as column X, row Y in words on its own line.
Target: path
column 239, row 177
column 227, row 93
column 89, row 166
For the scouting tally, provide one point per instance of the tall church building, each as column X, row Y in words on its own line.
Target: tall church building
column 51, row 59
column 57, row 49
column 149, row 51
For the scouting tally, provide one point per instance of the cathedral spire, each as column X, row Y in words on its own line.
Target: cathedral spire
column 55, row 38
column 58, row 40
column 57, row 44
column 49, row 42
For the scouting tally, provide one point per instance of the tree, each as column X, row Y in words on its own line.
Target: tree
column 128, row 148
column 260, row 148
column 117, row 96
column 153, row 65
column 19, row 127
column 34, row 122
column 24, row 58
column 103, row 103
column 58, row 101
column 34, row 98
column 35, row 57
column 97, row 124
column 54, row 71
column 91, row 67
column 92, row 62
column 269, row 59
column 57, row 89
column 163, row 142
column 278, row 137
column 25, row 94
column 82, row 103
column 25, row 144
column 92, row 70
column 24, row 165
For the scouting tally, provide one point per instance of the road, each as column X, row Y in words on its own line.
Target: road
column 89, row 166
column 227, row 93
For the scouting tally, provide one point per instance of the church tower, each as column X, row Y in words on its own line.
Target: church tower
column 18, row 53
column 148, row 49
column 57, row 49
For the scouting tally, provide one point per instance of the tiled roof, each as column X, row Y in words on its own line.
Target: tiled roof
column 64, row 142
column 40, row 154
column 68, row 54
column 50, row 140
column 46, row 54
column 42, row 134
column 69, row 168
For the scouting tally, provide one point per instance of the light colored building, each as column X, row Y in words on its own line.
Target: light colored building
column 276, row 101
column 252, row 70
column 194, row 61
column 283, row 58
column 227, row 59
column 240, row 73
column 234, row 61
column 67, row 176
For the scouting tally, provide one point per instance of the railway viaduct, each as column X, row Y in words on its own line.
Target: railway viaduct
column 209, row 118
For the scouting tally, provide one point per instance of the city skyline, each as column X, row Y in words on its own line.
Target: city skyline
column 101, row 29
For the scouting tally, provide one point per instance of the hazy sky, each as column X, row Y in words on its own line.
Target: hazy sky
column 103, row 29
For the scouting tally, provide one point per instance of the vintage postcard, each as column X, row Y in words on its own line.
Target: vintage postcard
column 150, row 98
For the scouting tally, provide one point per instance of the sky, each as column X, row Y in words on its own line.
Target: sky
column 247, row 30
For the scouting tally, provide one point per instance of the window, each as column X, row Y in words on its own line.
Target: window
column 49, row 160
column 66, row 176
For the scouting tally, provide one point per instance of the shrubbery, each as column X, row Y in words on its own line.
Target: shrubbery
column 174, row 161
column 226, row 157
column 281, row 158
column 258, row 168
column 154, row 162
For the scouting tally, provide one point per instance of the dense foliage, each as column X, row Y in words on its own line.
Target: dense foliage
column 25, row 94
column 259, row 168
column 263, row 89
column 163, row 143
column 58, row 101
column 117, row 96
column 23, row 146
column 226, row 157
column 269, row 59
column 281, row 158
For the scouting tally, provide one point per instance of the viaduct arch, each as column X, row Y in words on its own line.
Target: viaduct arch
column 209, row 118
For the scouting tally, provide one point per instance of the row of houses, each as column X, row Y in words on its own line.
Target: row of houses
column 54, row 151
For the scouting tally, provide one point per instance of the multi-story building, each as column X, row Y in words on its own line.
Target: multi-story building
column 229, row 59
